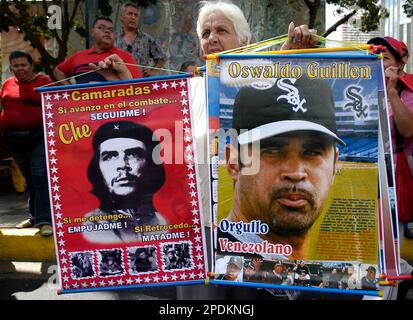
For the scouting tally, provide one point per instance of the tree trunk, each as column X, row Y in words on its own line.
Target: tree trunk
column 313, row 6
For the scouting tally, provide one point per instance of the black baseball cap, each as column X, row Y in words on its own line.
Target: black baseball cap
column 290, row 105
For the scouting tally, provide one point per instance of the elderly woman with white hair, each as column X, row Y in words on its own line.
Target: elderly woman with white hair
column 222, row 26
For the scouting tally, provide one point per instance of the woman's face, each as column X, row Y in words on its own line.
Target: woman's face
column 22, row 69
column 218, row 34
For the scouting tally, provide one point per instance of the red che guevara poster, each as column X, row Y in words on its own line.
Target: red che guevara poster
column 123, row 184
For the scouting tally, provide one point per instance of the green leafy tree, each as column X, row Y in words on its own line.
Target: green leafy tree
column 408, row 8
column 36, row 26
column 371, row 12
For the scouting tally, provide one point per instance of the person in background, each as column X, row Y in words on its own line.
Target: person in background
column 7, row 162
column 21, row 125
column 188, row 66
column 141, row 45
column 103, row 34
column 400, row 100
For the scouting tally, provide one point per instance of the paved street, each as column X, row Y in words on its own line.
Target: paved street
column 36, row 281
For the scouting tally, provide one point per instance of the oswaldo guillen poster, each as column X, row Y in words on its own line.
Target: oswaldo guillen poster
column 298, row 187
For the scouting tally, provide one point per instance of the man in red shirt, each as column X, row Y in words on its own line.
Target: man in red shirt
column 103, row 34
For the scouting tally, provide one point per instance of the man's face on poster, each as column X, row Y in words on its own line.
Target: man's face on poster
column 122, row 162
column 232, row 272
column 293, row 183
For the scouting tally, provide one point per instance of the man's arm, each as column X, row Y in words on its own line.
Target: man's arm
column 158, row 57
column 152, row 72
column 402, row 115
column 60, row 75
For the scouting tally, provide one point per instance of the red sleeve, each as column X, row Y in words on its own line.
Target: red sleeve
column 66, row 66
column 134, row 70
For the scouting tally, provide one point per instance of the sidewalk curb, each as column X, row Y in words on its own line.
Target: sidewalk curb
column 26, row 245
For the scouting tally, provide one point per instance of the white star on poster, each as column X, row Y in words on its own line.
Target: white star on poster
column 195, row 220
column 53, row 161
column 61, row 242
column 58, row 206
column 84, row 285
column 165, row 278
column 184, row 102
column 201, row 275
column 48, row 97
column 111, row 283
column 198, row 248
column 55, row 179
column 56, row 197
column 129, row 281
column 49, row 115
column 65, row 95
column 182, row 83
column 49, row 106
column 61, row 233
column 191, row 175
column 52, row 142
column 200, row 266
column 50, row 124
column 193, row 194
column 93, row 284
column 120, row 282
column 155, row 86
column 190, row 166
column 59, row 225
column 147, row 279
column 187, row 130
column 199, row 256
column 187, row 139
column 192, row 275
column 57, row 96
column 102, row 283
column 188, row 157
column 192, row 185
column 64, row 270
column 173, row 84
column 174, row 277
column 52, row 151
column 54, row 170
column 194, row 212
column 56, row 188
column 183, row 276
column 164, row 85
column 138, row 280
column 197, row 239
column 183, row 92
column 184, row 111
column 156, row 279
column 63, row 260
column 65, row 279
column 50, row 133
column 62, row 251
column 197, row 229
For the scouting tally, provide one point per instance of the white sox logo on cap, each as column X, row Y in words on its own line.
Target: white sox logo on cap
column 293, row 96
